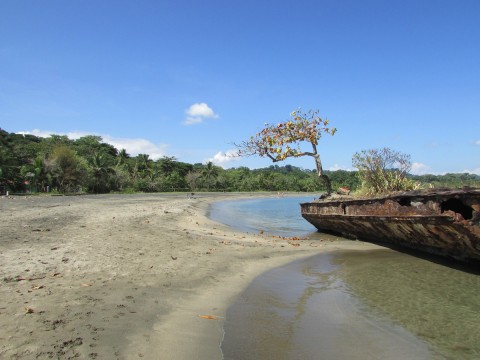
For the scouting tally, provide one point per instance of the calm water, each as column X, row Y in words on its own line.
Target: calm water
column 381, row 304
column 276, row 216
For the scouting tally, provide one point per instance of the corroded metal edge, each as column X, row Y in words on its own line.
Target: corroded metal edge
column 442, row 222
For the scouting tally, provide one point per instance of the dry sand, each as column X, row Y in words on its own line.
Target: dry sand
column 126, row 276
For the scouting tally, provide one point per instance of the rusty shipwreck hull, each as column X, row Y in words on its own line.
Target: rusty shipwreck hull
column 442, row 222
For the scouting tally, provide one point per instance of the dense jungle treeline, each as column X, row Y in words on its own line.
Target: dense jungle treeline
column 57, row 164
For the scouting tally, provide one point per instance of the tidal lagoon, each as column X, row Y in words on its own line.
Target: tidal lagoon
column 382, row 304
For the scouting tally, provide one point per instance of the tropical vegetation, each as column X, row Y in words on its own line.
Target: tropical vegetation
column 30, row 164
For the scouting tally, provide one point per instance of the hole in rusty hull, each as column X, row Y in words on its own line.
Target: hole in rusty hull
column 405, row 201
column 458, row 207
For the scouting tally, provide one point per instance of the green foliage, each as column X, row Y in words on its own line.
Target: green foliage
column 100, row 167
column 210, row 174
column 68, row 170
column 343, row 178
column 29, row 163
column 383, row 170
column 89, row 146
column 449, row 180
column 17, row 152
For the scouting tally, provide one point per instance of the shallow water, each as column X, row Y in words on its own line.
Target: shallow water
column 437, row 300
column 381, row 304
column 277, row 216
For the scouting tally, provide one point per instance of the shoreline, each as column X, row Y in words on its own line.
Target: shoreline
column 128, row 276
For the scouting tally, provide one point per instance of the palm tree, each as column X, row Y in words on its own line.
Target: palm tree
column 122, row 157
column 167, row 164
column 40, row 173
column 209, row 172
column 143, row 161
column 141, row 166
column 101, row 170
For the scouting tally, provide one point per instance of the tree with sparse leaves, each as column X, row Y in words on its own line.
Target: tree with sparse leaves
column 282, row 141
column 383, row 170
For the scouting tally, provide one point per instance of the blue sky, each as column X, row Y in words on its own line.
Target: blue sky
column 189, row 78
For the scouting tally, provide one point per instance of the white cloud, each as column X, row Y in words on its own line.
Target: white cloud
column 420, row 169
column 137, row 146
column 133, row 146
column 73, row 135
column 199, row 112
column 339, row 167
column 473, row 171
column 192, row 120
column 477, row 142
column 223, row 158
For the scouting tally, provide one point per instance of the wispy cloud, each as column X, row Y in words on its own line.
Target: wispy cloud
column 198, row 113
column 223, row 158
column 339, row 167
column 133, row 146
column 73, row 135
column 473, row 171
column 420, row 169
column 477, row 142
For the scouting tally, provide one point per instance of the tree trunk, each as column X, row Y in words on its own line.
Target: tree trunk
column 327, row 182
column 321, row 175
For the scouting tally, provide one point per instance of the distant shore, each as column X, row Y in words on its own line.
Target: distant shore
column 127, row 276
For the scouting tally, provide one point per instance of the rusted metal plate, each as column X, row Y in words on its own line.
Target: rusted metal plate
column 445, row 222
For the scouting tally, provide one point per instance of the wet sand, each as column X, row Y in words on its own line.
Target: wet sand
column 127, row 276
column 304, row 310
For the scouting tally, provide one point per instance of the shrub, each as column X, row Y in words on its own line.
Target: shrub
column 383, row 170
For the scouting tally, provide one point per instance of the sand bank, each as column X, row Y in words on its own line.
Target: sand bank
column 126, row 276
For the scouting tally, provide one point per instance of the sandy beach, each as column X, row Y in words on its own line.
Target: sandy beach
column 127, row 276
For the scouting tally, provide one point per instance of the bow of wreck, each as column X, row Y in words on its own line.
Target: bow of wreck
column 442, row 222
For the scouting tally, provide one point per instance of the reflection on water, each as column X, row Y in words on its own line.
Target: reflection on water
column 435, row 301
column 304, row 310
column 381, row 304
column 378, row 304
